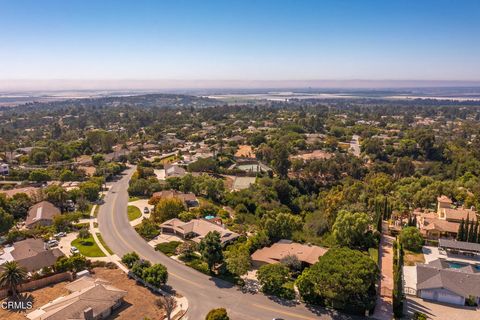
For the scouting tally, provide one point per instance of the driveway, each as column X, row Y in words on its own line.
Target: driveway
column 383, row 309
column 410, row 277
column 64, row 244
column 203, row 292
column 440, row 311
column 141, row 204
column 162, row 238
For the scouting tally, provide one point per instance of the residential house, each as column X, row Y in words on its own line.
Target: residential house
column 447, row 282
column 89, row 299
column 445, row 222
column 30, row 191
column 173, row 170
column 471, row 249
column 4, row 169
column 197, row 229
column 189, row 199
column 41, row 214
column 307, row 254
column 32, row 254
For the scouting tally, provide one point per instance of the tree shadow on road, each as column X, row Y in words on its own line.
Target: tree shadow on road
column 222, row 284
column 331, row 314
column 283, row 302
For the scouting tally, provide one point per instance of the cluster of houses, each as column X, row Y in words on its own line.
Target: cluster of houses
column 197, row 229
column 31, row 254
column 451, row 274
column 34, row 254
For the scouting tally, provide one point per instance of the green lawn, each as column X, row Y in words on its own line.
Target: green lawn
column 99, row 236
column 373, row 252
column 88, row 247
column 168, row 248
column 133, row 213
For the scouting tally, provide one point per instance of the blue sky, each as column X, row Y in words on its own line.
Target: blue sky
column 240, row 40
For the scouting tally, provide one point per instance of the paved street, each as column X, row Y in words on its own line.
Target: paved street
column 202, row 291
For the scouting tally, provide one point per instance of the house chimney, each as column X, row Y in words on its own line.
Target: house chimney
column 88, row 313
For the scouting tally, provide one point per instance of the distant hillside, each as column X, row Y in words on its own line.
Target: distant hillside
column 139, row 101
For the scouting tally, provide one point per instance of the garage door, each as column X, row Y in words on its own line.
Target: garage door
column 449, row 298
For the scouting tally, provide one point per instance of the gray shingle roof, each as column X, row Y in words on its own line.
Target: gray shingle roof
column 459, row 245
column 461, row 281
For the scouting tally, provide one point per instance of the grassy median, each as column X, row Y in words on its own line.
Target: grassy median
column 99, row 236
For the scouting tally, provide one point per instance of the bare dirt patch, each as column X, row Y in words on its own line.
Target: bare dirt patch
column 139, row 301
column 245, row 151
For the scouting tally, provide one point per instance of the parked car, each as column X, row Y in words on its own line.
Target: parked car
column 52, row 243
column 74, row 250
column 70, row 205
column 60, row 235
column 146, row 210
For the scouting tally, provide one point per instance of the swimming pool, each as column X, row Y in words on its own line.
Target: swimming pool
column 458, row 265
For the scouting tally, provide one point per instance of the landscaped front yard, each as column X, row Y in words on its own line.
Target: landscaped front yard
column 133, row 213
column 88, row 247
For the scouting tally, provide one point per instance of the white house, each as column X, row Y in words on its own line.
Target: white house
column 448, row 282
column 4, row 169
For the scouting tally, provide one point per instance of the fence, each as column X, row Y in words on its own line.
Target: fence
column 40, row 283
column 410, row 291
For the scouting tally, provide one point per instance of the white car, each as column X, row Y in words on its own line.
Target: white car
column 52, row 243
column 74, row 250
column 60, row 235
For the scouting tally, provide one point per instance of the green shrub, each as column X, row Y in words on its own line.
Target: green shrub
column 147, row 229
column 199, row 265
column 130, row 258
column 419, row 316
column 217, row 314
column 411, row 239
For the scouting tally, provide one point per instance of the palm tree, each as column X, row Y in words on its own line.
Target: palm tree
column 12, row 275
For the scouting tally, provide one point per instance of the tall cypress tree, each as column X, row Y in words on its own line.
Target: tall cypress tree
column 385, row 209
column 475, row 238
column 471, row 234
column 461, row 230
column 467, row 229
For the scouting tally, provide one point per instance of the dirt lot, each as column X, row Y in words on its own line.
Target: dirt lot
column 139, row 302
column 245, row 151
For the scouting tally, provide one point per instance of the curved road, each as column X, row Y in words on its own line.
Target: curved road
column 203, row 292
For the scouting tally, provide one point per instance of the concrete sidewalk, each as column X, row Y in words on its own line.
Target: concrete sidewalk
column 109, row 257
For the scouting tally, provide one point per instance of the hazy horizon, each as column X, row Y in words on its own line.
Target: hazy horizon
column 165, row 84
